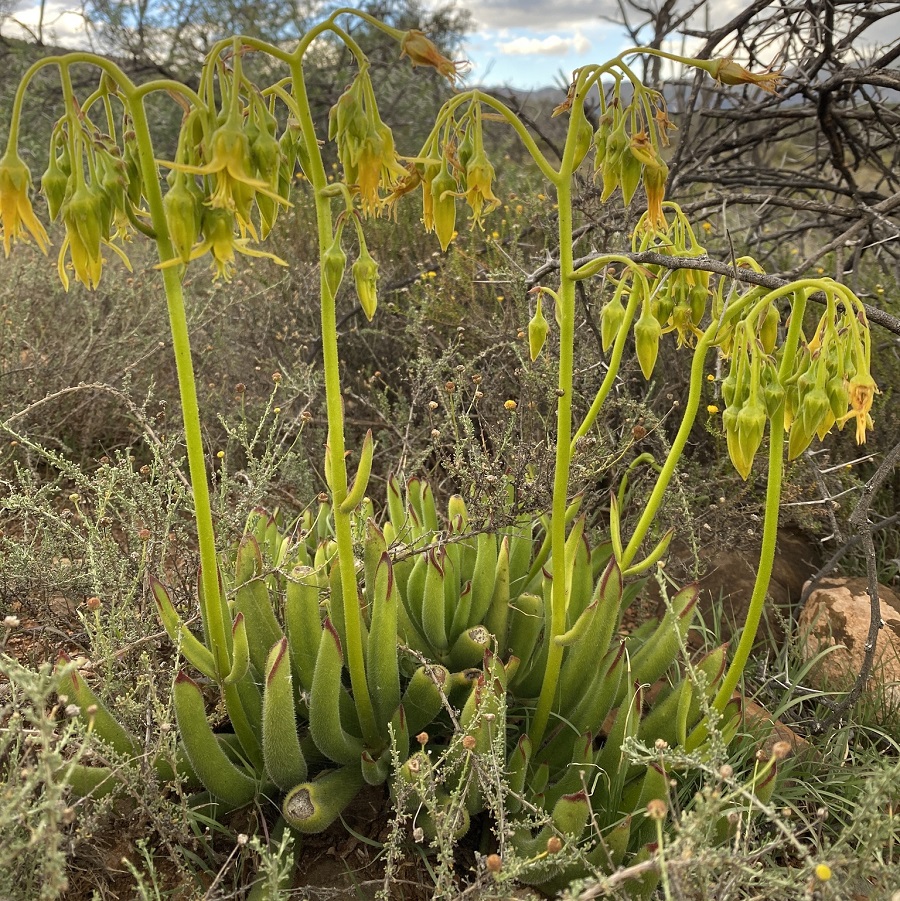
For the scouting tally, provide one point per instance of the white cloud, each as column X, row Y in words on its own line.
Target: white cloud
column 540, row 14
column 61, row 23
column 552, row 45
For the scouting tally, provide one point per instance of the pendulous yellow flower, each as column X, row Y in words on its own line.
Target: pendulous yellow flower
column 861, row 390
column 220, row 240
column 422, row 52
column 16, row 213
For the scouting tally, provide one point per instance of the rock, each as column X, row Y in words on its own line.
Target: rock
column 759, row 721
column 836, row 614
column 728, row 576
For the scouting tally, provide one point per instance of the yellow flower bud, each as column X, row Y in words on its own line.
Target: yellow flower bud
column 365, row 277
column 647, row 332
column 537, row 331
column 629, row 176
column 443, row 196
column 334, row 262
column 584, row 135
column 611, row 169
column 83, row 215
column 751, row 424
column 182, row 217
column 814, row 408
column 611, row 320
column 54, row 184
column 655, row 175
column 768, row 329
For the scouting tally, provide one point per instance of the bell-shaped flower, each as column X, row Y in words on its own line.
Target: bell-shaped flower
column 16, row 213
column 861, row 390
column 479, row 177
column 220, row 240
column 231, row 163
column 655, row 175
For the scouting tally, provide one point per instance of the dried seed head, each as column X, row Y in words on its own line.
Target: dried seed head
column 781, row 749
column 422, row 738
column 656, row 809
column 94, row 603
column 726, row 771
column 493, row 863
column 469, row 742
column 554, row 844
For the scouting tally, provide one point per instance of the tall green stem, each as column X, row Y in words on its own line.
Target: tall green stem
column 190, row 409
column 559, row 591
column 335, row 413
column 770, row 522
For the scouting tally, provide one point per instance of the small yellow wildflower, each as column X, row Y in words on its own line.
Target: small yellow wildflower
column 823, row 872
column 510, row 405
column 712, row 409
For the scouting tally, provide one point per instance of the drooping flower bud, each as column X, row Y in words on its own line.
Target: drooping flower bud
column 584, row 135
column 84, row 216
column 768, row 330
column 611, row 320
column 773, row 392
column 443, row 196
column 537, row 331
column 814, row 408
column 334, row 262
column 54, row 183
column 629, row 175
column 182, row 216
column 751, row 424
column 647, row 332
column 365, row 277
